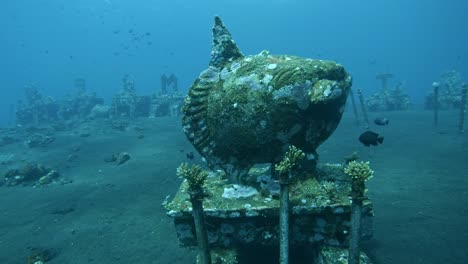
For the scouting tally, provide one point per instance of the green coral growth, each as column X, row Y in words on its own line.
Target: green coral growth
column 194, row 174
column 290, row 161
column 360, row 171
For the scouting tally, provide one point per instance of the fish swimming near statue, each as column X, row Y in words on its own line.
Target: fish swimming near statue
column 246, row 110
column 369, row 138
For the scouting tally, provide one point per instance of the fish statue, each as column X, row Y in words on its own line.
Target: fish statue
column 247, row 110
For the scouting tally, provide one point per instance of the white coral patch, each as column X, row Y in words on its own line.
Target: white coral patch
column 327, row 91
column 238, row 191
column 272, row 66
column 210, row 75
column 252, row 81
column 267, row 79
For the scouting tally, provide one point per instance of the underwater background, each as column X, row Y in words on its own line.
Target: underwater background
column 50, row 43
column 100, row 212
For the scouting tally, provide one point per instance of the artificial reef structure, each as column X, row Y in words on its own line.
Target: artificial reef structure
column 388, row 98
column 244, row 115
column 449, row 94
column 37, row 110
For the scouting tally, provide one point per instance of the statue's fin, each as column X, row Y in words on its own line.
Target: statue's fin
column 224, row 48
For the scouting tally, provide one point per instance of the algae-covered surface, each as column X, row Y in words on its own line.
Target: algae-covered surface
column 333, row 255
column 308, row 194
column 222, row 256
column 246, row 110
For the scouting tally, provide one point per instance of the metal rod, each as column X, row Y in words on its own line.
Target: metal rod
column 363, row 108
column 463, row 109
column 163, row 84
column 353, row 103
column 284, row 218
column 196, row 197
column 355, row 239
column 436, row 86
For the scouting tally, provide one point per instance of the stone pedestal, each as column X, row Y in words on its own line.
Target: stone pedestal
column 247, row 216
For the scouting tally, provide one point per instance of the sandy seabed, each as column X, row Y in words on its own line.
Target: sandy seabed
column 113, row 214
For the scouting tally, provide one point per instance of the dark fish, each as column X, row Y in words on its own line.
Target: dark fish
column 370, row 138
column 381, row 121
column 190, row 155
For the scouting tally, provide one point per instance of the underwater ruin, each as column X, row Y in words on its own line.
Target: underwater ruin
column 449, row 94
column 38, row 109
column 388, row 98
column 257, row 122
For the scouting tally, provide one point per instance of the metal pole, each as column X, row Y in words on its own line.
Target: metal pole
column 356, row 211
column 463, row 109
column 359, row 172
column 363, row 108
column 353, row 103
column 196, row 197
column 436, row 86
column 284, row 218
column 163, row 84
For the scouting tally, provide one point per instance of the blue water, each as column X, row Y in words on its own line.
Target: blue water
column 419, row 190
column 49, row 43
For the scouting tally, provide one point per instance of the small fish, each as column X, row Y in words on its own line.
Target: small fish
column 381, row 121
column 189, row 155
column 370, row 138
